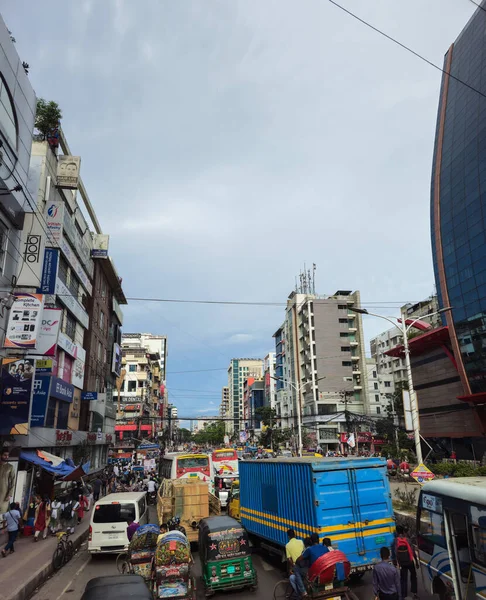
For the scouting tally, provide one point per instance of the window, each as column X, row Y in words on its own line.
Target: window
column 344, row 334
column 8, row 121
column 387, row 384
column 3, row 245
column 69, row 325
column 51, row 412
column 114, row 513
column 375, row 386
column 131, row 386
column 140, row 384
column 63, row 270
column 377, row 398
column 343, row 321
column 326, row 409
column 345, row 348
column 102, row 320
column 374, row 374
column 100, row 350
column 432, row 531
column 73, row 285
column 132, row 368
column 378, row 410
column 346, row 363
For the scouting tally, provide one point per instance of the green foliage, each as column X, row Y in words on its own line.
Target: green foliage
column 48, row 116
column 185, row 435
column 457, row 469
column 212, row 434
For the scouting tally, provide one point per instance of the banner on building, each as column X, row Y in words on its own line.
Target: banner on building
column 78, row 368
column 54, row 217
column 24, row 321
column 116, row 361
column 16, row 388
column 68, row 168
column 243, row 436
column 49, row 272
column 32, row 244
column 40, row 397
column 100, row 245
column 62, row 390
column 48, row 332
column 407, row 410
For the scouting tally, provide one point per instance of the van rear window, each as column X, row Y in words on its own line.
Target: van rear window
column 114, row 513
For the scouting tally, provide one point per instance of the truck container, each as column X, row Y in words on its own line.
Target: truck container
column 345, row 499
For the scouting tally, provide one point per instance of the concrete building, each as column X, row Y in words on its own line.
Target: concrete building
column 269, row 364
column 320, row 364
column 200, row 424
column 381, row 387
column 390, row 338
column 253, row 398
column 22, row 235
column 224, row 408
column 238, row 371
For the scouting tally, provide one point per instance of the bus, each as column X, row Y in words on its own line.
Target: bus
column 176, row 465
column 225, row 461
column 451, row 537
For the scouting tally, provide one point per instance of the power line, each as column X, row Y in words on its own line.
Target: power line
column 407, row 48
column 197, row 371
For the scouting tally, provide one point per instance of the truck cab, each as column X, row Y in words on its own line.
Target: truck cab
column 234, row 500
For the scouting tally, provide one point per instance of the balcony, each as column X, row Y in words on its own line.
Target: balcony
column 356, row 370
column 355, row 358
column 353, row 343
column 352, row 329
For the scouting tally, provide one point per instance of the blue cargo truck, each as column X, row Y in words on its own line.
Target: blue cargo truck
column 345, row 499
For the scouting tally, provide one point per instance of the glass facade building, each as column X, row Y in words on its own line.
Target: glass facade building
column 458, row 204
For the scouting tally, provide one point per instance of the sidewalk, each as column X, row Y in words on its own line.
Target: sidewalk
column 31, row 564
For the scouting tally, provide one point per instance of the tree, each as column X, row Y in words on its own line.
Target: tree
column 185, row 435
column 213, row 434
column 48, row 116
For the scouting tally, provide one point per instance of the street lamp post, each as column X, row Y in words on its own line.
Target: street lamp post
column 298, row 389
column 404, row 328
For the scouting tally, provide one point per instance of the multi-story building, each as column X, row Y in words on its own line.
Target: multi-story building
column 269, row 364
column 320, row 363
column 22, row 235
column 254, row 398
column 224, row 407
column 238, row 371
column 381, row 388
column 383, row 342
column 139, row 408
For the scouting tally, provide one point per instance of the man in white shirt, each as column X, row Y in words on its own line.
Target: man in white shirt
column 151, row 486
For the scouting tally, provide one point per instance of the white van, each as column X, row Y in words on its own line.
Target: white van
column 109, row 521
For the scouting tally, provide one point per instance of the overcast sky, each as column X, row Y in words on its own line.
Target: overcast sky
column 225, row 143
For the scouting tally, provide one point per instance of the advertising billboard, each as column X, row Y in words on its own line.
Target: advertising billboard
column 48, row 332
column 100, row 245
column 68, row 171
column 15, row 395
column 54, row 216
column 24, row 321
column 40, row 397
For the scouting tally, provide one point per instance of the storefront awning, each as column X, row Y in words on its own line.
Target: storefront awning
column 50, row 463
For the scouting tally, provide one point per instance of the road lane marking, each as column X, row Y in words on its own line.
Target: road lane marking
column 78, row 572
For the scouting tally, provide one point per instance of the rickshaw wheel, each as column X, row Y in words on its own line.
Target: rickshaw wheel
column 122, row 563
column 283, row 590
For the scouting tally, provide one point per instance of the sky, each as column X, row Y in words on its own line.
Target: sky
column 225, row 144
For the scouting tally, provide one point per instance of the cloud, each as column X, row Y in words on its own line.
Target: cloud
column 225, row 144
column 204, row 410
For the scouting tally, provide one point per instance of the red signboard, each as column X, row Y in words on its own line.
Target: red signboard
column 363, row 437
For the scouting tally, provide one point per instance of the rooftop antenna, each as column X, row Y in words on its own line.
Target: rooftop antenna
column 314, row 267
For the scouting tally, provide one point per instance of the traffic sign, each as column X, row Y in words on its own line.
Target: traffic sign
column 422, row 474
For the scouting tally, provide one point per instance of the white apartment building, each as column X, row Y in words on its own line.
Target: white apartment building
column 393, row 337
column 380, row 388
column 320, row 364
column 225, row 403
column 238, row 371
column 270, row 382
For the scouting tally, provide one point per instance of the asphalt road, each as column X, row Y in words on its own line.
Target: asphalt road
column 70, row 581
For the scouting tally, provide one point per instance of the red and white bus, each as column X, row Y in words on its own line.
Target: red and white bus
column 225, row 461
column 177, row 465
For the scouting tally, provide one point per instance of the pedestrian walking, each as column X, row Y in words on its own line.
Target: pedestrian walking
column 104, row 483
column 12, row 519
column 55, row 520
column 82, row 506
column 386, row 580
column 406, row 559
column 97, row 483
column 42, row 517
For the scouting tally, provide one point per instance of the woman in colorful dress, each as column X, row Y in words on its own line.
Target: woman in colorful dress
column 42, row 516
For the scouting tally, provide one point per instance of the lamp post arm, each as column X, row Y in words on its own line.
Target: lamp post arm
column 437, row 312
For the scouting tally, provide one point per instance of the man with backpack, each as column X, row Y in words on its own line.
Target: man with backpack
column 406, row 559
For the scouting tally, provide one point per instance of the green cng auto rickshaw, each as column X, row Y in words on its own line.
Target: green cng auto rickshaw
column 225, row 555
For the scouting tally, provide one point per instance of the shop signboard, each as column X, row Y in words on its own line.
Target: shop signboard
column 89, row 396
column 40, row 397
column 76, row 265
column 100, row 245
column 48, row 332
column 66, row 297
column 24, row 321
column 62, row 390
column 422, row 474
column 68, row 171
column 32, row 244
column 16, row 389
column 54, row 216
column 49, row 271
column 117, row 360
column 77, row 378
